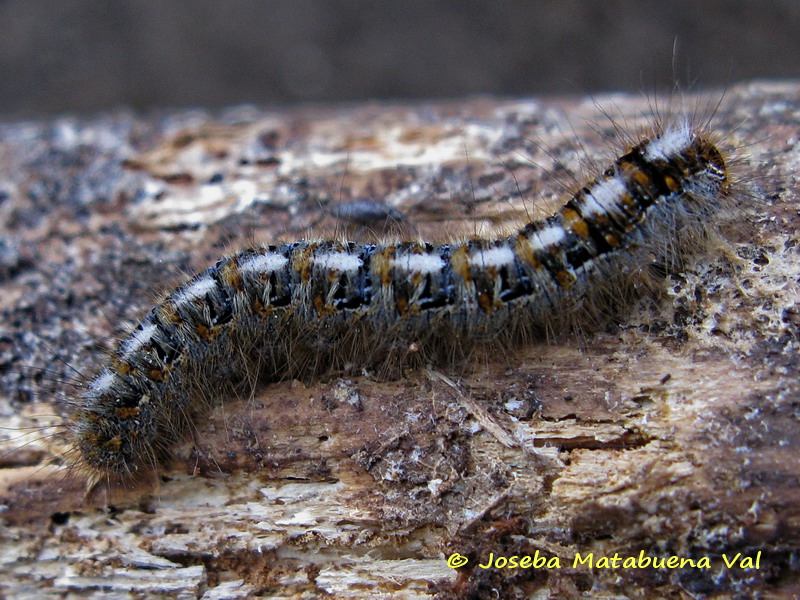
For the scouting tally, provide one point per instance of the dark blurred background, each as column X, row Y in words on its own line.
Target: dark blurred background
column 85, row 55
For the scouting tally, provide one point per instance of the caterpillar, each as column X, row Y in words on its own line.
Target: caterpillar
column 281, row 311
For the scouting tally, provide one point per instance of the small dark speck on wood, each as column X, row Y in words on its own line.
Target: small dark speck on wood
column 367, row 212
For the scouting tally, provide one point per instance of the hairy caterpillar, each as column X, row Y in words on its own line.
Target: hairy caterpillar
column 281, row 311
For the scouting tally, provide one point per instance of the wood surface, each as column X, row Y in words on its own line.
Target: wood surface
column 673, row 430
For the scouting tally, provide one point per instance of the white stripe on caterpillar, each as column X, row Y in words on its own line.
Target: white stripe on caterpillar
column 102, row 382
column 264, row 263
column 602, row 196
column 493, row 257
column 670, row 142
column 195, row 291
column 300, row 308
column 547, row 237
column 138, row 338
column 338, row 261
column 424, row 264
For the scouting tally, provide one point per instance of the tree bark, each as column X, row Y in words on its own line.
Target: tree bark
column 671, row 432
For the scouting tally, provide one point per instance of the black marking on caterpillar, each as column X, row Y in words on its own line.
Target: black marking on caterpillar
column 300, row 308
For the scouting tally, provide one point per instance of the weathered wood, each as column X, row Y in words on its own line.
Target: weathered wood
column 349, row 486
